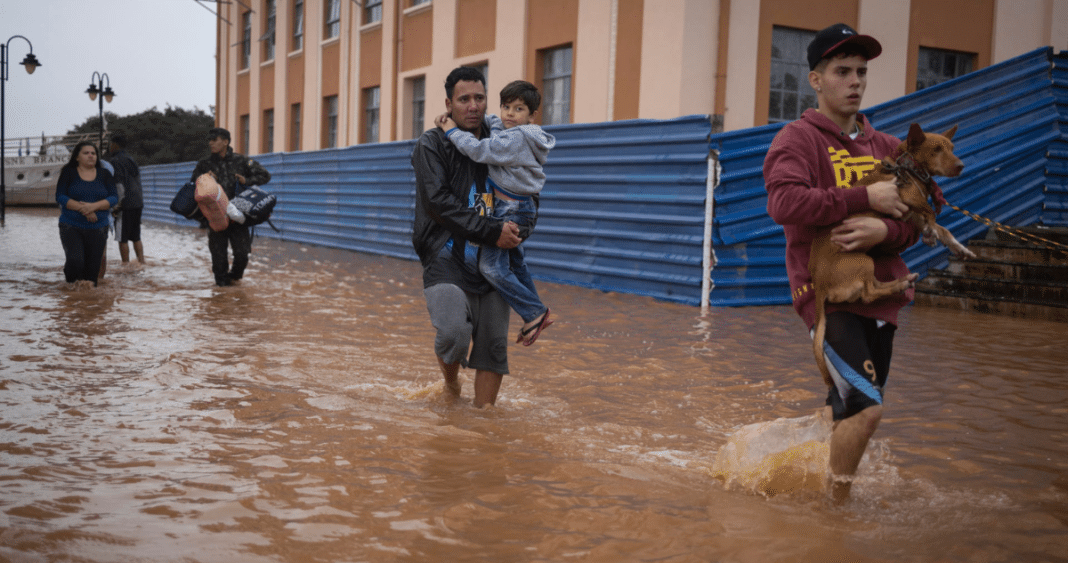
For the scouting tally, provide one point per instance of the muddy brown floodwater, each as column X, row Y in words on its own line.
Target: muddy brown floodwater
column 299, row 416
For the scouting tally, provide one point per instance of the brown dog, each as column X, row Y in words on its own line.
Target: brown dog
column 839, row 276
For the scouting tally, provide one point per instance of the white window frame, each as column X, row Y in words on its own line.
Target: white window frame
column 330, row 112
column 246, row 39
column 558, row 66
column 298, row 25
column 268, row 37
column 931, row 66
column 789, row 93
column 372, row 102
column 332, row 19
column 372, row 11
column 418, row 105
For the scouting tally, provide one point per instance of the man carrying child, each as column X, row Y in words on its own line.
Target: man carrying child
column 449, row 228
column 515, row 152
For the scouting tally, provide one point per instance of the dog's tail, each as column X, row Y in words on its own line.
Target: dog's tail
column 819, row 336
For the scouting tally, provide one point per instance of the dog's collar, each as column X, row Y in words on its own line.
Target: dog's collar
column 905, row 165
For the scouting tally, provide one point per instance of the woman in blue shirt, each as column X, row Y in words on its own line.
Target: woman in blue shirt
column 85, row 192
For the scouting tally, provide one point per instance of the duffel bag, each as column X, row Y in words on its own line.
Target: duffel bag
column 185, row 203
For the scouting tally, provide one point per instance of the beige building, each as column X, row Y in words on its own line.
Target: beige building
column 311, row 74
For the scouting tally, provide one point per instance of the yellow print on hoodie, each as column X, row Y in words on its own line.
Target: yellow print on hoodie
column 849, row 169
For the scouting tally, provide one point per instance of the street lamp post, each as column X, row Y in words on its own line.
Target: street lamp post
column 31, row 63
column 96, row 86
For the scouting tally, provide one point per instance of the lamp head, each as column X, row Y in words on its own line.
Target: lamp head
column 92, row 91
column 31, row 63
column 108, row 94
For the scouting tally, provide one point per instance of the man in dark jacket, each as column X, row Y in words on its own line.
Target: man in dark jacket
column 230, row 169
column 128, row 221
column 451, row 222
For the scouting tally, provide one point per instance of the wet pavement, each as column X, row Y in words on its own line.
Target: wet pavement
column 299, row 416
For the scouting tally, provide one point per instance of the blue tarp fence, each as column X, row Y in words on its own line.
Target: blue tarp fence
column 626, row 206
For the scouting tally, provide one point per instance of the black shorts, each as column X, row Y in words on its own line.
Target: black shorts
column 858, row 352
column 128, row 225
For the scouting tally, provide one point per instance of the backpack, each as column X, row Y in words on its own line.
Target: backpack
column 256, row 205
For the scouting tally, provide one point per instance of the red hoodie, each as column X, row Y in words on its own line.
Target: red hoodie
column 808, row 174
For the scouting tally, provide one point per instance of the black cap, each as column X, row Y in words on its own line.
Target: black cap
column 218, row 132
column 837, row 36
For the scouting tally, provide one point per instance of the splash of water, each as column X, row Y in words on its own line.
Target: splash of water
column 786, row 455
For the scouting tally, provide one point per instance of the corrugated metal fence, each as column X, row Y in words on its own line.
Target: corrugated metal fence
column 1056, row 208
column 624, row 208
column 1009, row 132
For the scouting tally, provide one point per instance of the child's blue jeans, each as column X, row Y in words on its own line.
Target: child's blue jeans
column 505, row 269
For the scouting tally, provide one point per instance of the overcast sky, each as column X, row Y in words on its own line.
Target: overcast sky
column 155, row 53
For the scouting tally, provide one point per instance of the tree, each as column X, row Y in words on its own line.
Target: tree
column 155, row 137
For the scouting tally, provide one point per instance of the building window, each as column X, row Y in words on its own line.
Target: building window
column 370, row 114
column 246, row 39
column 484, row 69
column 330, row 128
column 244, row 133
column 790, row 93
column 268, row 35
column 294, row 127
column 372, row 11
column 298, row 25
column 333, row 19
column 556, row 85
column 414, row 3
column 418, row 105
column 268, row 130
column 939, row 65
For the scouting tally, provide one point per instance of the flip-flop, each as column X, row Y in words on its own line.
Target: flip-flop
column 523, row 333
column 528, row 336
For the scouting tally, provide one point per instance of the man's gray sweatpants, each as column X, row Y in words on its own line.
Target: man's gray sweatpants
column 466, row 320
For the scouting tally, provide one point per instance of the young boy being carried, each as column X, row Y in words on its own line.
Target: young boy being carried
column 515, row 152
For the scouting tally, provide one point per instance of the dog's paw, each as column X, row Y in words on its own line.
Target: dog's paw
column 930, row 238
column 961, row 251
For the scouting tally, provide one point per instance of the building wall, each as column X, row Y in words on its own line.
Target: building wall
column 594, row 23
column 648, row 59
column 628, row 19
column 473, row 19
column 891, row 19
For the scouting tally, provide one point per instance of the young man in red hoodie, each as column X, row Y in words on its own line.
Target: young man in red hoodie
column 809, row 172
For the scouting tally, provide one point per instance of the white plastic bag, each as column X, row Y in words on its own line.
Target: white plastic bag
column 235, row 214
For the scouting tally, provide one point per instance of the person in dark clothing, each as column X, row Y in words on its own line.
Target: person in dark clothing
column 128, row 220
column 230, row 169
column 85, row 192
column 451, row 223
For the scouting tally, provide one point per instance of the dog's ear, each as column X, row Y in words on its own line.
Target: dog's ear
column 916, row 136
column 949, row 134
